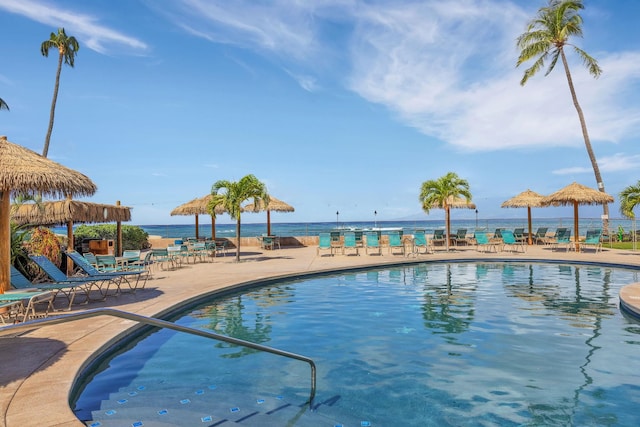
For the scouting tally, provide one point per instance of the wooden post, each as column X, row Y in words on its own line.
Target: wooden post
column 118, row 235
column 530, row 229
column 268, row 222
column 575, row 225
column 5, row 241
column 197, row 228
column 70, row 247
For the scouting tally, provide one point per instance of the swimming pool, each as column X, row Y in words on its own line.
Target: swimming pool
column 424, row 344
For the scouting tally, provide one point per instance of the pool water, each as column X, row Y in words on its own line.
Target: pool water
column 443, row 344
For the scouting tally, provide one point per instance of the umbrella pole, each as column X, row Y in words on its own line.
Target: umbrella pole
column 530, row 229
column 575, row 225
column 268, row 222
column 197, row 228
column 5, row 241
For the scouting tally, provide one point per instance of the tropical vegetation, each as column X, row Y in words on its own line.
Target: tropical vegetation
column 442, row 193
column 67, row 47
column 232, row 194
column 3, row 105
column 133, row 237
column 545, row 39
column 629, row 199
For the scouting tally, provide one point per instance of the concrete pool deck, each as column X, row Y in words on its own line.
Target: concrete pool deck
column 39, row 366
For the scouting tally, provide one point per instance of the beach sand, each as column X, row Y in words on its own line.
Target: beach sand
column 41, row 364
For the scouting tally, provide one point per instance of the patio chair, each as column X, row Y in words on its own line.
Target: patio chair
column 593, row 239
column 68, row 286
column 497, row 235
column 540, row 236
column 420, row 242
column 563, row 238
column 395, row 242
column 115, row 277
column 372, row 241
column 198, row 250
column 482, row 241
column 359, row 234
column 324, row 243
column 518, row 233
column 335, row 240
column 349, row 242
column 161, row 258
column 460, row 237
column 438, row 239
column 28, row 292
column 510, row 241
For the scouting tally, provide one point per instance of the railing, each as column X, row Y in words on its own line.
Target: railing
column 64, row 318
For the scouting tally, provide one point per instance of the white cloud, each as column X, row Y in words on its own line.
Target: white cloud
column 84, row 27
column 619, row 162
column 444, row 68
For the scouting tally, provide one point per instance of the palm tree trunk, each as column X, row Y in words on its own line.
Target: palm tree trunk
column 587, row 141
column 238, row 240
column 447, row 218
column 45, row 151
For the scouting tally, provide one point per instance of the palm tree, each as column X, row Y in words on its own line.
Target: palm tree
column 629, row 199
column 67, row 48
column 545, row 38
column 249, row 187
column 441, row 193
column 3, row 105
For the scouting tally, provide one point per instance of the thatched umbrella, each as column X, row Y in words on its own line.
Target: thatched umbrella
column 274, row 205
column 70, row 211
column 576, row 194
column 527, row 199
column 23, row 171
column 456, row 203
column 199, row 207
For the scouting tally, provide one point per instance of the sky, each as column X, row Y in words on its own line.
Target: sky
column 336, row 105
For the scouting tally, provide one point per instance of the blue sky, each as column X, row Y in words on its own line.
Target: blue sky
column 337, row 105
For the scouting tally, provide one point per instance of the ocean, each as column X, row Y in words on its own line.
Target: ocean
column 313, row 228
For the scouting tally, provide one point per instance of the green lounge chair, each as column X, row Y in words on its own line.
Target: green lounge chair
column 116, row 277
column 395, row 242
column 373, row 243
column 510, row 241
column 439, row 239
column 460, row 238
column 420, row 242
column 518, row 233
column 540, row 237
column 349, row 242
column 483, row 242
column 563, row 238
column 593, row 239
column 324, row 243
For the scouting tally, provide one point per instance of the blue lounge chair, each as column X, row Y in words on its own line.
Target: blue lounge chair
column 27, row 292
column 395, row 242
column 510, row 241
column 349, row 242
column 593, row 239
column 324, row 243
column 563, row 238
column 62, row 285
column 116, row 277
column 460, row 238
column 372, row 242
column 518, row 233
column 482, row 241
column 420, row 242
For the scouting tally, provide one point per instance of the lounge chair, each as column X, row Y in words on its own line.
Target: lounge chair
column 335, row 240
column 25, row 291
column 482, row 241
column 518, row 233
column 372, row 242
column 395, row 242
column 510, row 241
column 563, row 238
column 324, row 243
column 420, row 242
column 593, row 239
column 68, row 286
column 359, row 234
column 460, row 238
column 540, row 236
column 349, row 242
column 116, row 277
column 438, row 239
column 162, row 259
column 497, row 236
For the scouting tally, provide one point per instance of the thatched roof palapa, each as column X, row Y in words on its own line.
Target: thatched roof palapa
column 275, row 205
column 63, row 211
column 527, row 199
column 199, row 206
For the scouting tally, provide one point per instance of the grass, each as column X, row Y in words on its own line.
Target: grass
column 621, row 245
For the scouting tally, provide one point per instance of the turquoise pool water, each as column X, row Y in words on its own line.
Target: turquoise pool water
column 491, row 344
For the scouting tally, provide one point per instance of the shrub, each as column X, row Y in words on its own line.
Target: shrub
column 133, row 237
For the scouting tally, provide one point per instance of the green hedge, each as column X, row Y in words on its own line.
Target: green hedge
column 133, row 237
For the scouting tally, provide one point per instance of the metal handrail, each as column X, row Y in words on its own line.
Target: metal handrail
column 64, row 318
